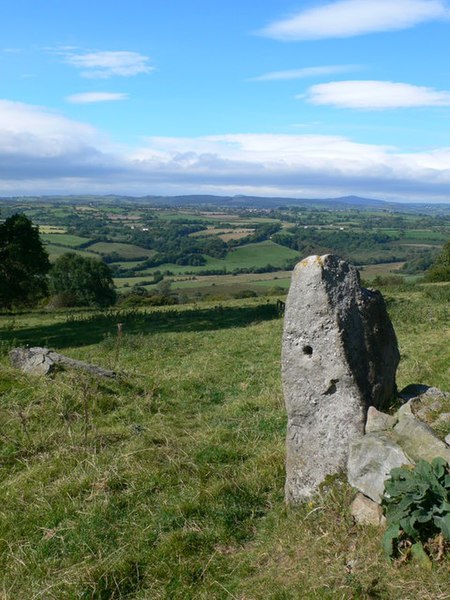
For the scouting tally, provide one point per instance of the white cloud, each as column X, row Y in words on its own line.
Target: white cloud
column 36, row 131
column 44, row 152
column 305, row 72
column 101, row 65
column 91, row 97
column 347, row 18
column 375, row 95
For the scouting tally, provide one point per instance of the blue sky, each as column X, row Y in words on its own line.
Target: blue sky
column 304, row 98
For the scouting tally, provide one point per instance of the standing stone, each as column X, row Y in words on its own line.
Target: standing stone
column 339, row 357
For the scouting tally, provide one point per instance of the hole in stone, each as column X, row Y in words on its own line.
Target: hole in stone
column 307, row 350
column 331, row 388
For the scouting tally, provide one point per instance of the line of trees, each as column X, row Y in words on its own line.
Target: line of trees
column 26, row 276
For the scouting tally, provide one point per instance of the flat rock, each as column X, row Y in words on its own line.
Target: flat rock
column 339, row 356
column 370, row 462
column 367, row 512
column 418, row 439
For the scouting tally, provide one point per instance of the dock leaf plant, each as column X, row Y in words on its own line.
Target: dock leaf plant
column 416, row 502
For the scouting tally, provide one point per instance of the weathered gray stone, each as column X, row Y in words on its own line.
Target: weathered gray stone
column 34, row 361
column 405, row 410
column 416, row 438
column 447, row 439
column 367, row 512
column 42, row 361
column 339, row 357
column 379, row 421
column 370, row 461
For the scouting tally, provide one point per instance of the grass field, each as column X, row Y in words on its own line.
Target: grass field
column 225, row 234
column 55, row 251
column 251, row 255
column 219, row 286
column 43, row 229
column 168, row 482
column 227, row 285
column 72, row 241
column 125, row 250
column 382, row 269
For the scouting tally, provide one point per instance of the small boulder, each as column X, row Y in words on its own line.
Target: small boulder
column 367, row 512
column 379, row 421
column 35, row 361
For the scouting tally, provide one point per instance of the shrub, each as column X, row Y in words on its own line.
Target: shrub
column 417, row 506
column 245, row 294
column 80, row 281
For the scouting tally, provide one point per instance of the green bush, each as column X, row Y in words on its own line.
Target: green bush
column 417, row 506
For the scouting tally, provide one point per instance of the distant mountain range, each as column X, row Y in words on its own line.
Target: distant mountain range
column 240, row 201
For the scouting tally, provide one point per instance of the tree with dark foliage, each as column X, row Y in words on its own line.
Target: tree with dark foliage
column 440, row 271
column 79, row 281
column 23, row 263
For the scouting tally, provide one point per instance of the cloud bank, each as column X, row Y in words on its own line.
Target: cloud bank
column 44, row 152
column 348, row 18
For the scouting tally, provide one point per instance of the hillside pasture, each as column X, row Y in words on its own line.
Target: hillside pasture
column 259, row 255
column 63, row 239
column 167, row 482
column 223, row 233
column 51, row 229
column 55, row 251
column 380, row 270
column 124, row 250
column 246, row 257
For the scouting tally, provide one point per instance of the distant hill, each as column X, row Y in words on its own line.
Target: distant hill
column 262, row 201
column 242, row 201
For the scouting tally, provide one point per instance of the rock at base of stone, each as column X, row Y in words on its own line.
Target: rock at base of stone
column 370, row 462
column 367, row 512
column 379, row 421
column 416, row 438
column 339, row 356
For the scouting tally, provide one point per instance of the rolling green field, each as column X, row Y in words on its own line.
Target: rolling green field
column 167, row 483
column 378, row 240
column 125, row 250
column 251, row 255
column 64, row 239
column 55, row 251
